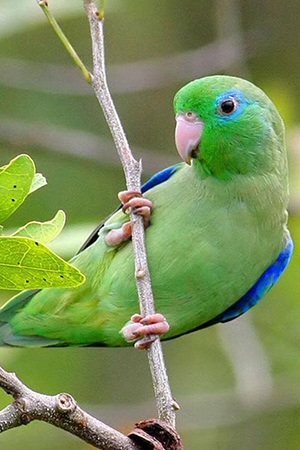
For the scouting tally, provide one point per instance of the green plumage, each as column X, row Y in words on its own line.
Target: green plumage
column 216, row 226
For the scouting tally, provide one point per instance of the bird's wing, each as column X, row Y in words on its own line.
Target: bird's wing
column 269, row 277
column 155, row 180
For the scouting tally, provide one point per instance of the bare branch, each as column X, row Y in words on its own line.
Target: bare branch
column 132, row 170
column 59, row 410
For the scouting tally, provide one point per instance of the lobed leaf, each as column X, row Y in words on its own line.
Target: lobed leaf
column 15, row 183
column 43, row 232
column 27, row 264
column 38, row 181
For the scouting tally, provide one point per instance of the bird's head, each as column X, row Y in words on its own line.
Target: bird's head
column 228, row 126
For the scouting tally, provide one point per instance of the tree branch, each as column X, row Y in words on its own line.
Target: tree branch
column 132, row 170
column 59, row 410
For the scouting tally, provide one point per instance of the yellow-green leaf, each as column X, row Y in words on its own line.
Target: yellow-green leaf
column 43, row 232
column 27, row 264
column 38, row 181
column 15, row 182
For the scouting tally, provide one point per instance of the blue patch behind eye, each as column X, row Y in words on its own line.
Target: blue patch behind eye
column 239, row 97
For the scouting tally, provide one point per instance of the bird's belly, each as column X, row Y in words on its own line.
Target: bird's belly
column 199, row 266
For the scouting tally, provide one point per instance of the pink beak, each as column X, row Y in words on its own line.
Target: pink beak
column 187, row 135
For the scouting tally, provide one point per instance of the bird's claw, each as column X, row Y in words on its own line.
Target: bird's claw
column 135, row 201
column 149, row 328
column 141, row 206
column 119, row 235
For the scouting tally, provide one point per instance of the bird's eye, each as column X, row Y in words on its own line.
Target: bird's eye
column 227, row 106
column 190, row 116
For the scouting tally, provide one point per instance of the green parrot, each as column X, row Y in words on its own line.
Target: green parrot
column 216, row 232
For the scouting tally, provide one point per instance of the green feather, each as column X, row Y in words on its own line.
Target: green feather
column 217, row 225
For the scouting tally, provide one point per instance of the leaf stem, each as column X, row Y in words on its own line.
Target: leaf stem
column 101, row 9
column 65, row 41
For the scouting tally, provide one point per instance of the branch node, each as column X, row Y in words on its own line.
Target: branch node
column 175, row 405
column 140, row 273
column 66, row 403
column 22, row 405
column 100, row 15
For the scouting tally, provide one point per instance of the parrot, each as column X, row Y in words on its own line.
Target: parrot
column 215, row 230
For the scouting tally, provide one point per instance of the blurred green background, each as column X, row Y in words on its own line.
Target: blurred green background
column 239, row 384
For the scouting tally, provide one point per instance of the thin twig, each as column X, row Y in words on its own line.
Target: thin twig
column 59, row 410
column 65, row 41
column 132, row 170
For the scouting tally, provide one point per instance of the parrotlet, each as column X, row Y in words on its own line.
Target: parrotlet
column 216, row 232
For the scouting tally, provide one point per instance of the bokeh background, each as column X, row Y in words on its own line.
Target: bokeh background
column 238, row 385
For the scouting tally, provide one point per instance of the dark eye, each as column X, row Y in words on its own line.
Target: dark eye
column 227, row 106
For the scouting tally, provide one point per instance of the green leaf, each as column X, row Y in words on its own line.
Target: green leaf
column 15, row 182
column 38, row 181
column 27, row 264
column 43, row 232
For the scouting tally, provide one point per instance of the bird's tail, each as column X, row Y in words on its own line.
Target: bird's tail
column 7, row 312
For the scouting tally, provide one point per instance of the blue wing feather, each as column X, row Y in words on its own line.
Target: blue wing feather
column 160, row 177
column 265, row 282
column 155, row 180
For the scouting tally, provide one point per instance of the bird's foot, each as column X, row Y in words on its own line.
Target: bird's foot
column 149, row 328
column 119, row 235
column 140, row 205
